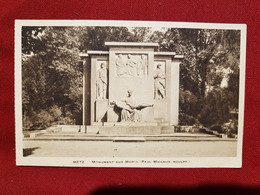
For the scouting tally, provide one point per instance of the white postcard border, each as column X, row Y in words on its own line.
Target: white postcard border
column 206, row 162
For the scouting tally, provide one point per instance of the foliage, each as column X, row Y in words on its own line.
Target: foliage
column 52, row 77
column 229, row 128
column 185, row 119
column 94, row 38
column 31, row 39
column 215, row 109
column 45, row 118
column 189, row 103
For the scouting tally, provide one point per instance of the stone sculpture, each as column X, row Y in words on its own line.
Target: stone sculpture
column 130, row 110
column 142, row 66
column 131, row 66
column 121, row 68
column 102, row 82
column 159, row 83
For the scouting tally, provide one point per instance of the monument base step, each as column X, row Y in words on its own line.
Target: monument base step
column 129, row 139
column 124, row 124
column 134, row 130
column 60, row 136
column 120, row 130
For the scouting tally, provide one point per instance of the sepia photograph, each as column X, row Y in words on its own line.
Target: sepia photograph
column 96, row 93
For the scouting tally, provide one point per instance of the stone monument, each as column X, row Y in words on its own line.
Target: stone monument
column 130, row 83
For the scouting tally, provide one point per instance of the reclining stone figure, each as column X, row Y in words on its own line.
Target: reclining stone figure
column 130, row 111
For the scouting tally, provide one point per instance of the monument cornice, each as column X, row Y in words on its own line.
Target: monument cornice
column 131, row 44
column 83, row 55
column 165, row 53
column 178, row 57
column 94, row 52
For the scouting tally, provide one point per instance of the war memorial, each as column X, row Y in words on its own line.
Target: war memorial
column 130, row 89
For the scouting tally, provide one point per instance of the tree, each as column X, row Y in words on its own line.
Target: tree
column 140, row 34
column 52, row 77
column 211, row 58
column 31, row 39
column 94, row 38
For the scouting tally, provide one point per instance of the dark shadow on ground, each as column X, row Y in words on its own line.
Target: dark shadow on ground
column 208, row 190
column 29, row 151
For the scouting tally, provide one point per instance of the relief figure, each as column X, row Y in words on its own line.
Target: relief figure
column 121, row 68
column 102, row 82
column 130, row 110
column 159, row 83
column 131, row 66
column 142, row 66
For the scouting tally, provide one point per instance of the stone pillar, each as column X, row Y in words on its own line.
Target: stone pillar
column 93, row 95
column 86, row 91
column 95, row 58
column 175, row 82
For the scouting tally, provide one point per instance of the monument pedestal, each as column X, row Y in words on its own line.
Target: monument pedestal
column 135, row 130
column 101, row 110
column 131, row 128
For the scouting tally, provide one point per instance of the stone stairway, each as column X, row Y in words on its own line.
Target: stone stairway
column 134, row 132
column 151, row 128
column 72, row 136
column 138, row 130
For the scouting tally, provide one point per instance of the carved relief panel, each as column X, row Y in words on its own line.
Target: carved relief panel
column 131, row 65
column 159, row 80
column 101, row 79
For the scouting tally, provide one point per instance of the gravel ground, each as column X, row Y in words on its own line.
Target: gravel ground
column 127, row 149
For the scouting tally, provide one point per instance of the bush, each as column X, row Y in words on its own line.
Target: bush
column 55, row 112
column 189, row 103
column 40, row 120
column 215, row 109
column 227, row 128
column 46, row 118
column 188, row 120
column 230, row 127
column 67, row 120
column 217, row 128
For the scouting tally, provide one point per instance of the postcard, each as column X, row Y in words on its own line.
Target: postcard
column 97, row 93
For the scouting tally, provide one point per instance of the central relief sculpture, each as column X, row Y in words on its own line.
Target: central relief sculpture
column 130, row 110
column 128, row 65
